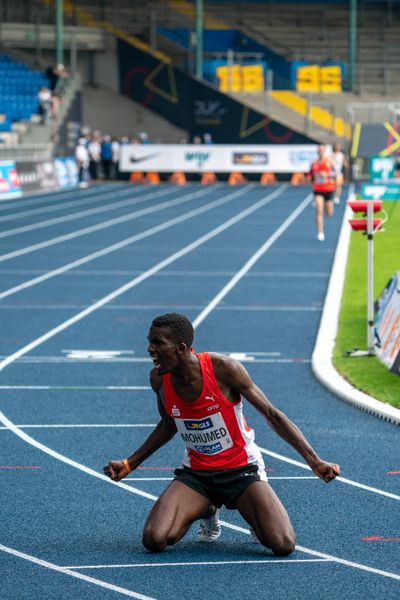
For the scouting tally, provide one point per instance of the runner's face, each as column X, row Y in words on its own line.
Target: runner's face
column 162, row 349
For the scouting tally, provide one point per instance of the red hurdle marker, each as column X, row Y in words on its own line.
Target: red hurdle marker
column 370, row 226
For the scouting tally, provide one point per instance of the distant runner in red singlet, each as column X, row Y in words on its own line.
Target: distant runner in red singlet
column 323, row 177
column 200, row 398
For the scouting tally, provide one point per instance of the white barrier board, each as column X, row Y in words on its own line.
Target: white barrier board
column 193, row 158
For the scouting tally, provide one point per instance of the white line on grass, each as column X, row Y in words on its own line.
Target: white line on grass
column 123, row 243
column 67, row 571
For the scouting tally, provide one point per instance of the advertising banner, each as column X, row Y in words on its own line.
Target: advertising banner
column 387, row 325
column 384, row 191
column 10, row 186
column 381, row 168
column 37, row 175
column 67, row 171
column 167, row 158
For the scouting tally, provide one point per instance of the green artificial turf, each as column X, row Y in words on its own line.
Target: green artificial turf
column 368, row 373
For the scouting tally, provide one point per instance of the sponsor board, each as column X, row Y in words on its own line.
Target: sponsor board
column 218, row 158
column 10, row 185
column 37, row 175
column 387, row 325
column 381, row 168
column 67, row 171
column 250, row 158
column 384, row 191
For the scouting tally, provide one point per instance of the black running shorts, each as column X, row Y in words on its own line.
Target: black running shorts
column 220, row 487
column 327, row 196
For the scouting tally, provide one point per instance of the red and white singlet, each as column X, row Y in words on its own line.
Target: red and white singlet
column 322, row 176
column 213, row 429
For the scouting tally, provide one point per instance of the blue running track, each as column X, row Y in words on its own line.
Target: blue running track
column 83, row 273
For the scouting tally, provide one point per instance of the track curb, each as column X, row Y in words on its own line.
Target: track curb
column 321, row 360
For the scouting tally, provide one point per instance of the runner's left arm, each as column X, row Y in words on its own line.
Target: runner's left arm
column 241, row 382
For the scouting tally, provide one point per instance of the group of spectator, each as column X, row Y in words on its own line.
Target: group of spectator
column 97, row 155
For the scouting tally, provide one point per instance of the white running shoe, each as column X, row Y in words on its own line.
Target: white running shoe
column 320, row 236
column 336, row 200
column 209, row 529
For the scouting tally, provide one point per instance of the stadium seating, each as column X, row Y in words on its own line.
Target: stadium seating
column 19, row 87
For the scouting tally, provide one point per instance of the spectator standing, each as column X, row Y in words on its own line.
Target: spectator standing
column 82, row 162
column 45, row 103
column 340, row 164
column 114, row 158
column 106, row 156
column 94, row 150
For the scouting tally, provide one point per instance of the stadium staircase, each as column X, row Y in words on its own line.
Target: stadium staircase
column 99, row 113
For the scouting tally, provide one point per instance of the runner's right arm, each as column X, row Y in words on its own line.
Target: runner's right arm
column 163, row 433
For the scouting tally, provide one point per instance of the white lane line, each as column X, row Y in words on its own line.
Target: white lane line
column 77, row 575
column 83, row 213
column 29, row 440
column 149, row 307
column 362, row 486
column 201, row 317
column 89, row 199
column 42, row 360
column 86, row 426
column 248, row 265
column 330, row 557
column 123, row 243
column 131, row 284
column 104, row 225
column 202, row 563
column 171, row 478
column 52, row 198
column 76, row 387
column 170, row 273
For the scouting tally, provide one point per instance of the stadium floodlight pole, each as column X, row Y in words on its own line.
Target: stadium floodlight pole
column 59, row 32
column 199, row 39
column 352, row 43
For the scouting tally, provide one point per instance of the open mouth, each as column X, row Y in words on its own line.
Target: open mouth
column 156, row 361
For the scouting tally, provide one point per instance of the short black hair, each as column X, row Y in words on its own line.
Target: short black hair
column 179, row 325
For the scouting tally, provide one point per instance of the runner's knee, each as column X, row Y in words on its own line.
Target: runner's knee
column 284, row 546
column 153, row 541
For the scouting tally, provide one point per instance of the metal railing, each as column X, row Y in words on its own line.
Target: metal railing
column 373, row 112
column 26, row 152
column 380, row 78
